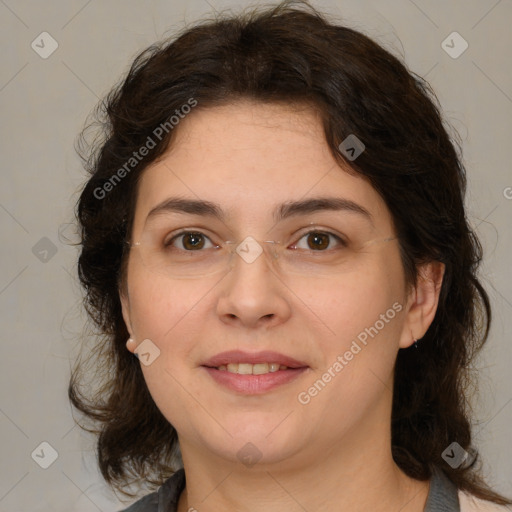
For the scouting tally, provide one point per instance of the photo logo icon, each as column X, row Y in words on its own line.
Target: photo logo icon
column 249, row 455
column 456, row 456
column 351, row 147
column 44, row 250
column 45, row 455
column 249, row 249
column 147, row 352
column 454, row 45
column 44, row 45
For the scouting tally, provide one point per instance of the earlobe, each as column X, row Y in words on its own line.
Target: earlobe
column 130, row 345
column 423, row 302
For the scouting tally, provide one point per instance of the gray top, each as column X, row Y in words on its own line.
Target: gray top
column 442, row 497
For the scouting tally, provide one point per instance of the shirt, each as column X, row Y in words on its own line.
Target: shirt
column 443, row 496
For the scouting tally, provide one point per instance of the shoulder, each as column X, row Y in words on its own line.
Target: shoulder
column 148, row 503
column 469, row 503
column 163, row 500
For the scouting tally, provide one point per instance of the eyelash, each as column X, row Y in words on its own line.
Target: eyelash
column 339, row 239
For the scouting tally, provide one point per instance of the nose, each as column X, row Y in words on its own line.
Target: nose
column 253, row 294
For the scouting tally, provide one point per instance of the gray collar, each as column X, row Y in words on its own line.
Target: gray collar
column 442, row 497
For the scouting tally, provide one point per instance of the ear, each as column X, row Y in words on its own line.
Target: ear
column 422, row 302
column 125, row 306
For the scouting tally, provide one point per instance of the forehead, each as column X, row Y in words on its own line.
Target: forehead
column 250, row 158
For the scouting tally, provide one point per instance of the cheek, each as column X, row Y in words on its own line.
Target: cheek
column 364, row 315
column 161, row 307
column 168, row 313
column 358, row 299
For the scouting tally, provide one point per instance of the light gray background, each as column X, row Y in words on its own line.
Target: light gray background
column 44, row 103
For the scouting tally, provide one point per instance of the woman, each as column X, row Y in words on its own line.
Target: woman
column 274, row 226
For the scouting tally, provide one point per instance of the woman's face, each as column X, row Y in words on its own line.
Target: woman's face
column 341, row 314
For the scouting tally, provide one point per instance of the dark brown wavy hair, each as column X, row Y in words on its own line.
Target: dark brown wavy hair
column 289, row 54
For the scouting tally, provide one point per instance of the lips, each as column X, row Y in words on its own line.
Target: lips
column 231, row 370
column 254, row 384
column 241, row 357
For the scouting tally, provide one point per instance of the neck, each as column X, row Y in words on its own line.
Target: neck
column 356, row 474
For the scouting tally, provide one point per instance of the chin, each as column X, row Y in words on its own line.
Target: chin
column 261, row 442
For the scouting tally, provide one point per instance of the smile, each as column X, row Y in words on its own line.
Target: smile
column 252, row 369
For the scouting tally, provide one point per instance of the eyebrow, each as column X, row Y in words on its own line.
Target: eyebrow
column 281, row 212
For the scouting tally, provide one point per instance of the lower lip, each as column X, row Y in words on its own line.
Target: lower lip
column 254, row 384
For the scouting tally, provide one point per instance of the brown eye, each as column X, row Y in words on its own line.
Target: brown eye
column 319, row 241
column 193, row 241
column 188, row 241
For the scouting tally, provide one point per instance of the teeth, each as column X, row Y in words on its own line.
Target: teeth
column 244, row 369
column 252, row 369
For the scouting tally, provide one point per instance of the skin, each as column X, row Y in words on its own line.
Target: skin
column 249, row 157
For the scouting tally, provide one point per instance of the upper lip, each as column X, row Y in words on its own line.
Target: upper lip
column 239, row 356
